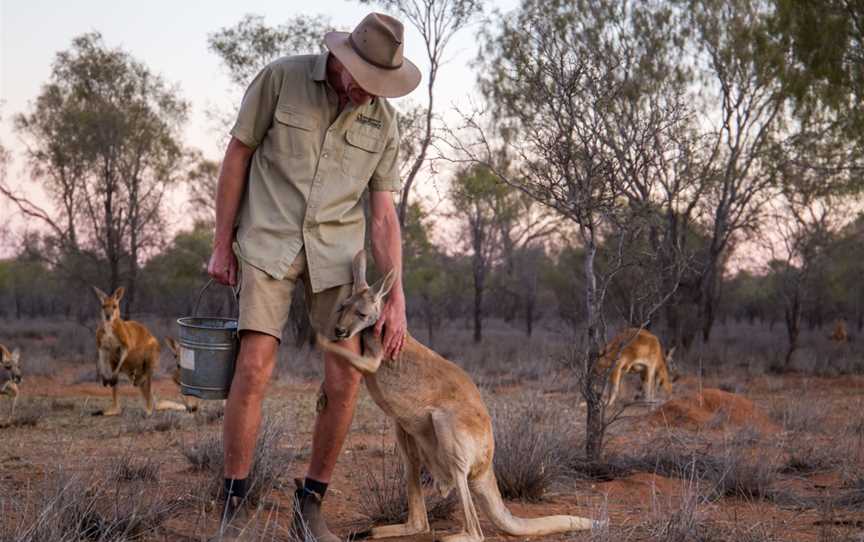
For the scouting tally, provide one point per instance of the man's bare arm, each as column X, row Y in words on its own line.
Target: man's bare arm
column 232, row 181
column 387, row 250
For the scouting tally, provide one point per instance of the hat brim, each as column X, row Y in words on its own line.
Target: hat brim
column 374, row 80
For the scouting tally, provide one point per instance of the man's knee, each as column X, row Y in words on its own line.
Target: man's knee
column 255, row 362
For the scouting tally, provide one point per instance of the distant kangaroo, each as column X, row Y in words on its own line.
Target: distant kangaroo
column 441, row 423
column 126, row 346
column 637, row 350
column 10, row 376
column 840, row 334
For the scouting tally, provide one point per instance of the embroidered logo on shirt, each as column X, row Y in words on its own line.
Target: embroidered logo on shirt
column 363, row 119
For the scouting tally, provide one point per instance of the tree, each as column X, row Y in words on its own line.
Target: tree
column 478, row 198
column 823, row 60
column 105, row 146
column 437, row 21
column 564, row 80
column 203, row 178
column 251, row 44
column 816, row 172
column 736, row 54
column 426, row 276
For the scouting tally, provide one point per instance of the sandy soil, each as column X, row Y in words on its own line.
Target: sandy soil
column 68, row 437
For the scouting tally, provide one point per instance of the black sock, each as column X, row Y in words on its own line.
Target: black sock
column 315, row 486
column 235, row 488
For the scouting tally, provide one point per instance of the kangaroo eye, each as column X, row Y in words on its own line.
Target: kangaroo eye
column 361, row 315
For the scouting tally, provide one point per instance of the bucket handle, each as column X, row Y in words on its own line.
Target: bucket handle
column 235, row 291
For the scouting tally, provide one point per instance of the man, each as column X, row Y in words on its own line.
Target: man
column 313, row 133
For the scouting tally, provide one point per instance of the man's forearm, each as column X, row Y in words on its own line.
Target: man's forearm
column 232, row 181
column 387, row 241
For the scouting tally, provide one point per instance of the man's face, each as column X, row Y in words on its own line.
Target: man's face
column 351, row 88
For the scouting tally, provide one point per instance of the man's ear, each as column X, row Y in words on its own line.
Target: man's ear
column 358, row 268
column 100, row 294
column 383, row 286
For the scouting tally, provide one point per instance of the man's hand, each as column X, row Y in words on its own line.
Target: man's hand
column 394, row 323
column 223, row 265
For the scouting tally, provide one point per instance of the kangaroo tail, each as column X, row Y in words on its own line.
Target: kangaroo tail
column 485, row 489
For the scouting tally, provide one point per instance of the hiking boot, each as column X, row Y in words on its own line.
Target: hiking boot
column 232, row 521
column 309, row 524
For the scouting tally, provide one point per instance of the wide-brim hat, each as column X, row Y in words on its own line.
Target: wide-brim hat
column 372, row 54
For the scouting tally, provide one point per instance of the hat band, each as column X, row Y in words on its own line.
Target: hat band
column 362, row 55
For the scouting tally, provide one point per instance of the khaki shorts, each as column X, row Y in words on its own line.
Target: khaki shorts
column 265, row 302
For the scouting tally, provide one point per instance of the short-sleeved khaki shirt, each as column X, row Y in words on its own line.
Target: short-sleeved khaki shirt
column 310, row 167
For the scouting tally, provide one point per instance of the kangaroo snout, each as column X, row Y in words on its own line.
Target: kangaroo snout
column 341, row 333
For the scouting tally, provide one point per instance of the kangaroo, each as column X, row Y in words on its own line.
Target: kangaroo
column 125, row 346
column 10, row 376
column 441, row 423
column 190, row 404
column 637, row 350
column 840, row 334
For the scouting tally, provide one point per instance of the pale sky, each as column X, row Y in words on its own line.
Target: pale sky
column 170, row 38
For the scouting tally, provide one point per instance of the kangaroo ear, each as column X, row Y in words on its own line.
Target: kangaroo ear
column 100, row 294
column 358, row 267
column 383, row 286
column 118, row 293
column 670, row 353
column 16, row 355
column 172, row 345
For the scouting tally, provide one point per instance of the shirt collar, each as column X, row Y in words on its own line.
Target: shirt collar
column 319, row 70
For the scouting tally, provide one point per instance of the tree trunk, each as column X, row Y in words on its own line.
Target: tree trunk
column 421, row 156
column 793, row 326
column 478, row 313
column 592, row 388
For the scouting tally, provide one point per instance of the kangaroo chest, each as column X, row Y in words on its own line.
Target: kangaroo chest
column 109, row 340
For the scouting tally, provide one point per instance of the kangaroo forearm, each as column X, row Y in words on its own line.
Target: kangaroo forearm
column 229, row 191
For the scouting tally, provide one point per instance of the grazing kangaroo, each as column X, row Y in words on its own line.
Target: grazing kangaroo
column 125, row 346
column 190, row 404
column 10, row 376
column 637, row 350
column 441, row 423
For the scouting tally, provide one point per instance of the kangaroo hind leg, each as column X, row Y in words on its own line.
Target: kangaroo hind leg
column 417, row 521
column 455, row 449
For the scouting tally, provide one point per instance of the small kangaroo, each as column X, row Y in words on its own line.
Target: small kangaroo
column 840, row 335
column 10, row 376
column 125, row 346
column 441, row 423
column 637, row 350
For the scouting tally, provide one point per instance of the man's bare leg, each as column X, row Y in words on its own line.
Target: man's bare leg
column 243, row 409
column 341, row 387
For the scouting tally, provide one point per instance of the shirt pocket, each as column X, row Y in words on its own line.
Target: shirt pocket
column 362, row 154
column 294, row 133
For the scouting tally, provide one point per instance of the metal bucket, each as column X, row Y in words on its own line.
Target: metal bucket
column 208, row 350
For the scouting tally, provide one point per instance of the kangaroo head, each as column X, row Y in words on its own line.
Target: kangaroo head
column 363, row 307
column 10, row 363
column 110, row 303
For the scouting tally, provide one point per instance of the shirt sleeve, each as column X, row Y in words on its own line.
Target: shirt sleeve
column 259, row 103
column 386, row 175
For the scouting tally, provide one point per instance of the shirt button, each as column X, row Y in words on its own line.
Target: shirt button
column 325, row 155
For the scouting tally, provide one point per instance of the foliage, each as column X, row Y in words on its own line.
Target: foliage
column 251, row 44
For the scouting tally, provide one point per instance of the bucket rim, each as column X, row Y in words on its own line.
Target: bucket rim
column 185, row 321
